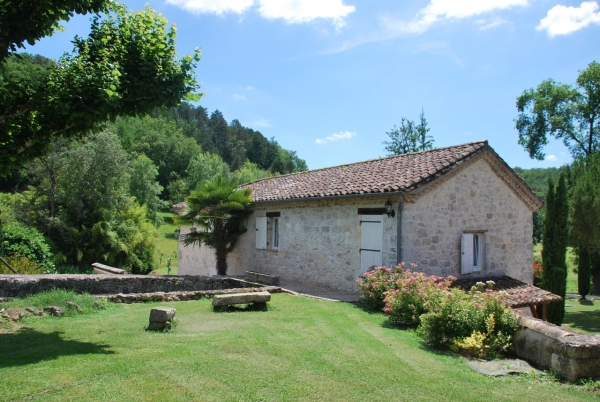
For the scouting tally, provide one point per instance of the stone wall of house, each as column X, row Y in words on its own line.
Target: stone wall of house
column 23, row 285
column 472, row 199
column 319, row 242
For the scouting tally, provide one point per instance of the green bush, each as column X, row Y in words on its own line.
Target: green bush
column 28, row 243
column 475, row 322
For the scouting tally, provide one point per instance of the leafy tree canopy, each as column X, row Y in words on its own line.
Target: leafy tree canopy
column 127, row 66
column 410, row 137
column 570, row 114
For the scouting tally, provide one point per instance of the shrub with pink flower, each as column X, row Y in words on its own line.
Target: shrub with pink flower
column 415, row 294
column 375, row 282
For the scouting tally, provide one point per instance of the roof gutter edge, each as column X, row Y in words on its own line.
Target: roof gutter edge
column 330, row 198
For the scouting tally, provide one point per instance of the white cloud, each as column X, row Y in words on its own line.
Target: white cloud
column 264, row 123
column 562, row 20
column 342, row 135
column 484, row 25
column 250, row 88
column 299, row 11
column 440, row 10
column 238, row 97
column 551, row 158
column 218, row 7
column 292, row 11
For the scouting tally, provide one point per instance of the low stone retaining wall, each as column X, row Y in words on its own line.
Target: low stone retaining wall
column 182, row 296
column 569, row 354
column 257, row 277
column 23, row 285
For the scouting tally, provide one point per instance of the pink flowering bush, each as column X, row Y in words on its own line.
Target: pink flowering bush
column 415, row 294
column 376, row 282
column 475, row 322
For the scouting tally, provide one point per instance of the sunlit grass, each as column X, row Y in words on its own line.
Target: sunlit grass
column 299, row 350
column 166, row 245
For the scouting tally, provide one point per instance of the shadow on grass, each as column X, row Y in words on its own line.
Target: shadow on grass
column 234, row 309
column 586, row 320
column 28, row 346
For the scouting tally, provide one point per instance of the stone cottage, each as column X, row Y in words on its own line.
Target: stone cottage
column 458, row 211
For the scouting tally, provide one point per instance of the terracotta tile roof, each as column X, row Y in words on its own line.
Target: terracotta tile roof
column 396, row 173
column 519, row 293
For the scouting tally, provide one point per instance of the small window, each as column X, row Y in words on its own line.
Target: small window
column 275, row 232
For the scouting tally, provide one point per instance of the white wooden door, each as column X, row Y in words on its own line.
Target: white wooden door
column 371, row 241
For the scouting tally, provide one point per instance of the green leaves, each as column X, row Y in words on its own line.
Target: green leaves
column 563, row 112
column 127, row 66
column 410, row 137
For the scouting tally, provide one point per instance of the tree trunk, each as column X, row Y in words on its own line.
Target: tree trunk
column 220, row 235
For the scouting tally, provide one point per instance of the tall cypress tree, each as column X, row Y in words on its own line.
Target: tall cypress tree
column 555, row 247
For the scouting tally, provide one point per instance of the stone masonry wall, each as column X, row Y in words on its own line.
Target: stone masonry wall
column 319, row 242
column 569, row 354
column 23, row 285
column 474, row 199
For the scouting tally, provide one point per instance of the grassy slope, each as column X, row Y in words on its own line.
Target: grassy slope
column 299, row 350
column 166, row 245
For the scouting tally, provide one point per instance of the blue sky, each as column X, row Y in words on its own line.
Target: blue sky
column 329, row 78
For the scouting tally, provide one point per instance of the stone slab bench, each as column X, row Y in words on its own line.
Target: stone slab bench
column 102, row 269
column 258, row 299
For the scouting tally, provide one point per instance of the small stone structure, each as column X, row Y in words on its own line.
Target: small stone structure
column 259, row 299
column 161, row 318
column 569, row 354
column 102, row 269
column 23, row 285
column 258, row 277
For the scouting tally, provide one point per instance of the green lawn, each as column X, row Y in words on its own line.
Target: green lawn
column 166, row 245
column 300, row 350
column 583, row 316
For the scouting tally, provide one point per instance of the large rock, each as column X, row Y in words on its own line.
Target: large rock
column 162, row 314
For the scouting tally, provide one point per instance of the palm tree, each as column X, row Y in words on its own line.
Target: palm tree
column 216, row 211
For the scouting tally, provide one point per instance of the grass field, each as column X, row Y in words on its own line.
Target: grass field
column 583, row 316
column 166, row 245
column 300, row 350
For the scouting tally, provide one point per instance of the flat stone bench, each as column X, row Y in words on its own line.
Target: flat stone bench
column 258, row 299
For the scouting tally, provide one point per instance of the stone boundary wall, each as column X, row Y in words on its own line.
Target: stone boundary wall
column 182, row 296
column 570, row 354
column 23, row 285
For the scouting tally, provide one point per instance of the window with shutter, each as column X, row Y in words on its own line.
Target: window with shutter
column 261, row 232
column 472, row 246
column 466, row 247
